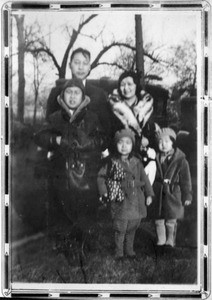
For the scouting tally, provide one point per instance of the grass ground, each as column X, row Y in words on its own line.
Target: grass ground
column 63, row 258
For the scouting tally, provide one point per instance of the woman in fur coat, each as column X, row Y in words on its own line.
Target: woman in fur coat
column 74, row 139
column 132, row 108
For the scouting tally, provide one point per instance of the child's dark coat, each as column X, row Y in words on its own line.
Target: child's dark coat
column 172, row 188
column 74, row 164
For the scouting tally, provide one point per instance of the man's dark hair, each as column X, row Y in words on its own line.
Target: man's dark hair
column 84, row 52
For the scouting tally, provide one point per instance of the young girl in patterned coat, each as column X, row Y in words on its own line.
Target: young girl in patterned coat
column 126, row 186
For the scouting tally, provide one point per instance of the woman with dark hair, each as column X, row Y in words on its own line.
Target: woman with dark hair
column 133, row 108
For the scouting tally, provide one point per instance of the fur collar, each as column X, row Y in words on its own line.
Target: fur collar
column 73, row 116
column 134, row 117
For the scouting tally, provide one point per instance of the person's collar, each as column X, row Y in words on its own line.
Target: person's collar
column 133, row 104
column 71, row 111
column 72, row 114
column 167, row 155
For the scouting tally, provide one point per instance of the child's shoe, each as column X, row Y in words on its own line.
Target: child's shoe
column 119, row 258
column 132, row 257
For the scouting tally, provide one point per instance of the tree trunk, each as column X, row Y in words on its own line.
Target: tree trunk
column 21, row 79
column 35, row 107
column 139, row 50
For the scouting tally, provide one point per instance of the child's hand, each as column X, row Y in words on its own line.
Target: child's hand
column 144, row 142
column 148, row 200
column 187, row 202
column 58, row 140
column 114, row 97
column 103, row 198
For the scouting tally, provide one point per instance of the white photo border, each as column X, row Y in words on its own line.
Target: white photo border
column 204, row 101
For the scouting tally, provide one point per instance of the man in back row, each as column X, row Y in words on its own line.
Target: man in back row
column 80, row 68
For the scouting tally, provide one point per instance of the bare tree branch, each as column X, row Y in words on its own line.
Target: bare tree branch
column 86, row 22
column 68, row 31
column 71, row 43
column 111, row 64
column 155, row 59
column 126, row 45
column 47, row 51
column 106, row 48
column 92, row 36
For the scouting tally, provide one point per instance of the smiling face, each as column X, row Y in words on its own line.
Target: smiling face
column 73, row 97
column 128, row 88
column 80, row 66
column 124, row 146
column 165, row 144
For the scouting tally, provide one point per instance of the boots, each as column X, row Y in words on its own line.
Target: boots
column 161, row 232
column 171, row 229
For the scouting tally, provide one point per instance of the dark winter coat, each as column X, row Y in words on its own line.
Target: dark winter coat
column 136, row 188
column 98, row 104
column 75, row 162
column 172, row 187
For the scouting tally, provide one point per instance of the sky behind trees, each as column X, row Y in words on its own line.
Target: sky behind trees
column 161, row 29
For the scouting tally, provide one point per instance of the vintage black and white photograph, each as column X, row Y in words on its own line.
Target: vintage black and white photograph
column 104, row 147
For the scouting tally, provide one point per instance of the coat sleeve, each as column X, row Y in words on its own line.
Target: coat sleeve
column 147, row 187
column 101, row 180
column 185, row 181
column 46, row 137
column 94, row 138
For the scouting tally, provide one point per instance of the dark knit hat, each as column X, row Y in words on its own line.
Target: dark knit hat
column 75, row 82
column 166, row 131
column 125, row 133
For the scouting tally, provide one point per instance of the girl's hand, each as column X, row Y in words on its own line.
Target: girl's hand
column 58, row 140
column 148, row 200
column 187, row 202
column 103, row 197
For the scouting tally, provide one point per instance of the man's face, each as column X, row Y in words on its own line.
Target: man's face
column 80, row 66
column 73, row 97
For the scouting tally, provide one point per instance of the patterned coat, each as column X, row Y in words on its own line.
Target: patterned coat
column 172, row 187
column 135, row 186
